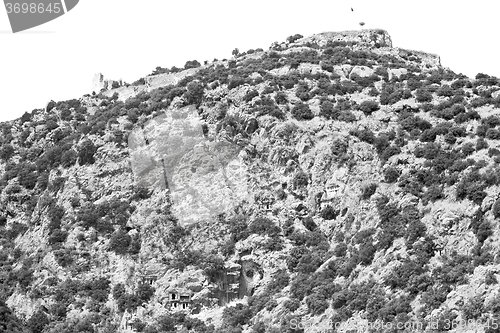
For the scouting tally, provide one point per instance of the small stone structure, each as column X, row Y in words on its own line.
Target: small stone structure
column 99, row 83
column 179, row 300
column 151, row 273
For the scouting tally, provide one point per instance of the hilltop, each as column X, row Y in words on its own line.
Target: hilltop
column 328, row 179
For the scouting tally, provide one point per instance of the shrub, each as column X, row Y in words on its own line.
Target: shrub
column 144, row 292
column 302, row 91
column 366, row 251
column 316, row 303
column 300, row 179
column 293, row 38
column 194, row 93
column 279, row 281
column 368, row 191
column 468, row 148
column 423, row 95
column 302, row 111
column 493, row 134
column 250, row 95
column 391, row 174
column 6, row 152
column 481, row 144
column 474, row 308
column 368, row 107
column 328, row 110
column 389, row 152
column 37, row 321
column 340, row 250
column 69, row 158
column 119, row 242
column 86, row 153
column 428, row 135
column 281, row 98
column 496, row 209
column 57, row 236
column 27, row 176
column 192, row 64
column 329, row 213
column 263, row 226
column 64, row 257
column 291, row 304
column 237, row 315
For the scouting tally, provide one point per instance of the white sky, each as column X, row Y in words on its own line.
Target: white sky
column 128, row 39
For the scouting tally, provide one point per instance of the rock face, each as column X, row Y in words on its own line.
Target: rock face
column 204, row 178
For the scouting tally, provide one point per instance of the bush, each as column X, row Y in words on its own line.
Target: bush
column 493, row 134
column 144, row 292
column 496, row 209
column 300, row 179
column 368, row 107
column 474, row 308
column 281, row 98
column 119, row 242
column 57, row 236
column 250, row 95
column 316, row 303
column 291, row 304
column 293, row 38
column 302, row 91
column 238, row 315
column 329, row 213
column 481, row 144
column 64, row 257
column 69, row 158
column 37, row 322
column 263, row 226
column 279, row 281
column 423, row 96
column 6, row 152
column 428, row 135
column 368, row 191
column 302, row 111
column 391, row 174
column 86, row 153
column 192, row 64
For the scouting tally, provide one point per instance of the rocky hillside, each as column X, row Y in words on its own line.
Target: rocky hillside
column 332, row 182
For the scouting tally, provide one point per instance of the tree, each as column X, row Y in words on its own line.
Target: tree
column 194, row 93
column 293, row 38
column 145, row 292
column 9, row 323
column 391, row 174
column 86, row 153
column 496, row 209
column 6, row 152
column 368, row 107
column 192, row 64
column 38, row 321
column 119, row 242
column 69, row 158
column 368, row 191
column 301, row 111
